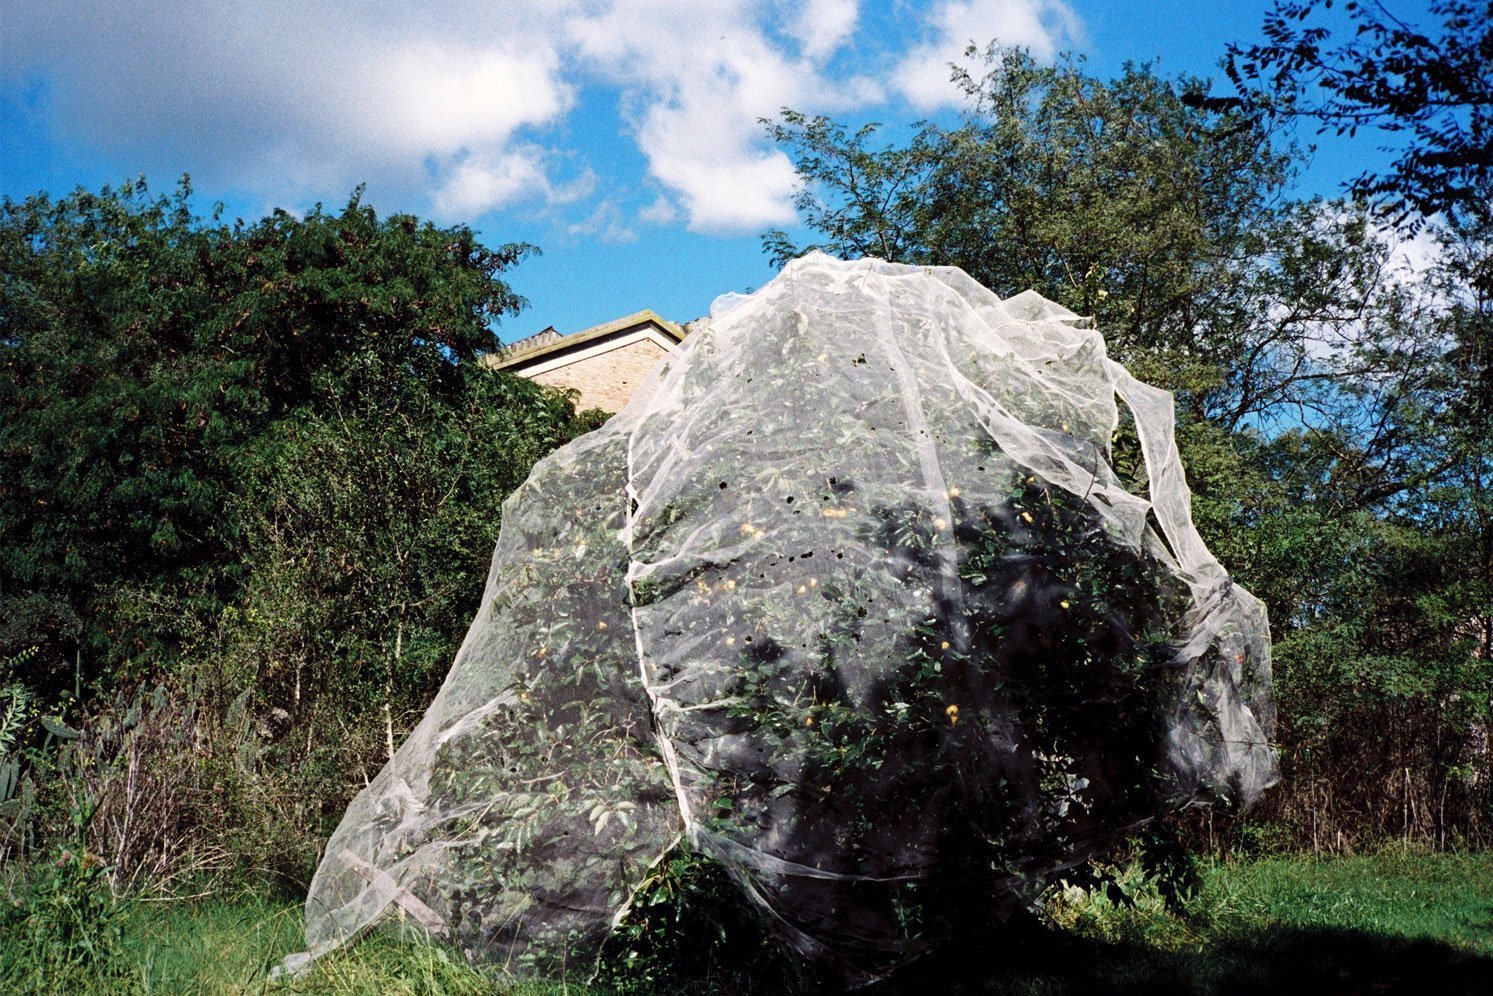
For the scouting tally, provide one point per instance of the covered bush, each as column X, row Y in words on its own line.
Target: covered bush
column 852, row 599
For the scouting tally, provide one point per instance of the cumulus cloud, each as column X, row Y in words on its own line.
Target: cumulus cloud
column 951, row 26
column 1417, row 255
column 284, row 98
column 465, row 106
column 477, row 183
column 822, row 26
column 695, row 80
column 661, row 211
column 606, row 223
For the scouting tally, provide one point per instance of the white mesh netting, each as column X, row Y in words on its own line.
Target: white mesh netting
column 852, row 599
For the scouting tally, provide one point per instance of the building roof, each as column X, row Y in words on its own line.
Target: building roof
column 543, row 338
column 549, row 345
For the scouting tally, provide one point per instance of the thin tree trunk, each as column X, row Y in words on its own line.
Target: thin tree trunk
column 389, row 685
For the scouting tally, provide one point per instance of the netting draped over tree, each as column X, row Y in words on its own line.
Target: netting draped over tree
column 850, row 598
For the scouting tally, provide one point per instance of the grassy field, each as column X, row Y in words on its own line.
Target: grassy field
column 1386, row 923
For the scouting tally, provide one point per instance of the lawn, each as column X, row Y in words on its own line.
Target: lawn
column 1390, row 922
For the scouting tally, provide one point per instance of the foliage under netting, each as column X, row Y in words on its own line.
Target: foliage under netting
column 850, row 599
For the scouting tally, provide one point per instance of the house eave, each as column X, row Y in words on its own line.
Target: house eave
column 645, row 323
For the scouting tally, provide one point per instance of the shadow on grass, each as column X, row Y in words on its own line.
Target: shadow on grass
column 1032, row 959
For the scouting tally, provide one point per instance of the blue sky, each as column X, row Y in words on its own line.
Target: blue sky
column 620, row 136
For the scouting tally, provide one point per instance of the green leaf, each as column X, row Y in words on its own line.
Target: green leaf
column 59, row 729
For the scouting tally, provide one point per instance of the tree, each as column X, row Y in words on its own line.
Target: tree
column 1330, row 401
column 1169, row 224
column 370, row 528
column 1434, row 90
column 1112, row 198
column 114, row 419
column 145, row 352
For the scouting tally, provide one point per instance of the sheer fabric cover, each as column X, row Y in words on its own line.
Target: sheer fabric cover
column 851, row 599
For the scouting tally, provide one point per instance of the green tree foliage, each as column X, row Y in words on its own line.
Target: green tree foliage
column 154, row 363
column 1169, row 224
column 250, row 480
column 1333, row 405
column 371, row 527
column 1112, row 198
column 1429, row 94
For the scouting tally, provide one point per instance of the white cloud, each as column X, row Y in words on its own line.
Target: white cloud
column 661, row 212
column 1416, row 256
column 822, row 26
column 295, row 99
column 466, row 106
column 476, row 184
column 697, row 79
column 923, row 75
column 607, row 223
column 445, row 97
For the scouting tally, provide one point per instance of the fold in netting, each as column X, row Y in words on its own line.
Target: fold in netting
column 851, row 599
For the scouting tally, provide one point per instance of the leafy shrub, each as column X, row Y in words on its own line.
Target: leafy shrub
column 894, row 673
column 185, row 798
column 689, row 929
column 65, row 922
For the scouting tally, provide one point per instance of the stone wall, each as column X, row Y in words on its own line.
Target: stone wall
column 606, row 380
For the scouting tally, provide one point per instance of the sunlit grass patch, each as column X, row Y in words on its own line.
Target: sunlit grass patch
column 1393, row 921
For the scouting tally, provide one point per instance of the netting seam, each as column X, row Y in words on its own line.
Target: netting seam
column 1165, row 474
column 665, row 745
column 933, row 480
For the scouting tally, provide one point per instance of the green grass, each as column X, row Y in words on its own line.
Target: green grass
column 1391, row 922
column 1447, row 897
column 229, row 946
column 223, row 945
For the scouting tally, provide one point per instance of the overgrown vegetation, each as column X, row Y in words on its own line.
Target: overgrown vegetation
column 1333, row 405
column 1399, row 921
column 250, row 478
